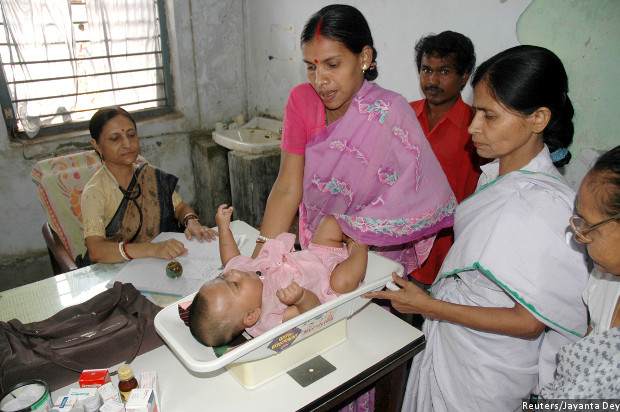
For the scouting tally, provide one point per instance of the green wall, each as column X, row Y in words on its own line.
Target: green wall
column 586, row 36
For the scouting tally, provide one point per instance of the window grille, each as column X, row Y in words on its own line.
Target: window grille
column 63, row 60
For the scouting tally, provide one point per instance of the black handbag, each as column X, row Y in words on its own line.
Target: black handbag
column 112, row 327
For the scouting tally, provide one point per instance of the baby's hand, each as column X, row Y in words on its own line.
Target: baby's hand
column 223, row 216
column 290, row 294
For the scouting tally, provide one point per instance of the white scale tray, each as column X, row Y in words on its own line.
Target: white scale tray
column 199, row 358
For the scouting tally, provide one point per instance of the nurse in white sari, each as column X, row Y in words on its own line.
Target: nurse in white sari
column 508, row 295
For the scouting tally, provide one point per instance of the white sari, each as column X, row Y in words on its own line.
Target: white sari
column 512, row 245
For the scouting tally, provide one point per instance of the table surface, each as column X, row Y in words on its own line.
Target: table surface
column 40, row 300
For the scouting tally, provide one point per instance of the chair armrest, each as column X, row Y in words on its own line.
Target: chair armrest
column 57, row 250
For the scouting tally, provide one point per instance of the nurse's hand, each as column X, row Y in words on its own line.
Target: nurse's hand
column 409, row 299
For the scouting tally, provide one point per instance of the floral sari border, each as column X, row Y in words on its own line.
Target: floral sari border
column 400, row 227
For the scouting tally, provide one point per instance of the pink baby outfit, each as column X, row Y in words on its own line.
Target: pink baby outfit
column 279, row 265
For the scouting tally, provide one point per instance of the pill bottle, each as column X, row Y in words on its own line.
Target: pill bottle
column 126, row 382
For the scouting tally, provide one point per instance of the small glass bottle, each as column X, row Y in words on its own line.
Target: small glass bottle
column 126, row 382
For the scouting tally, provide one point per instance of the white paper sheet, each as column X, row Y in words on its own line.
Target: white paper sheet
column 200, row 264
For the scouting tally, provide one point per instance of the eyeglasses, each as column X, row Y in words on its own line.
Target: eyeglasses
column 582, row 229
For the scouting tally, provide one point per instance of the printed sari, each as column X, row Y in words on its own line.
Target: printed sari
column 145, row 211
column 374, row 170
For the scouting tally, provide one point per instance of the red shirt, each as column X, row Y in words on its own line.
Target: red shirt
column 451, row 143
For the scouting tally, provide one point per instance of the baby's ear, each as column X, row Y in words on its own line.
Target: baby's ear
column 251, row 317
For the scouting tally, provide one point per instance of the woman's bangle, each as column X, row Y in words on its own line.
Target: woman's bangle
column 189, row 217
column 123, row 251
column 261, row 239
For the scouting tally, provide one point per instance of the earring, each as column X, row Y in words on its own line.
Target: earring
column 364, row 69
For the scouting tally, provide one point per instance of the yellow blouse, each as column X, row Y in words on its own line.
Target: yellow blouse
column 100, row 200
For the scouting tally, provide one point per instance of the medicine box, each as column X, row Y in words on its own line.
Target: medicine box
column 148, row 380
column 109, row 392
column 112, row 406
column 94, row 378
column 82, row 393
column 141, row 400
column 63, row 404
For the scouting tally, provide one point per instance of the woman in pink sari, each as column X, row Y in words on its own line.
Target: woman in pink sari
column 356, row 151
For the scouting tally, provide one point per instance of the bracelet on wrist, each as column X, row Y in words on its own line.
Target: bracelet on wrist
column 123, row 251
column 261, row 239
column 188, row 217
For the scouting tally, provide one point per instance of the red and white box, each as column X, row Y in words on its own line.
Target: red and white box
column 94, row 378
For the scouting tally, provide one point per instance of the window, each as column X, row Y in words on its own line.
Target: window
column 62, row 60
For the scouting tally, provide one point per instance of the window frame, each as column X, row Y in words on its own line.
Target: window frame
column 10, row 120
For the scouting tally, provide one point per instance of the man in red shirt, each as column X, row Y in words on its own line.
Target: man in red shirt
column 445, row 62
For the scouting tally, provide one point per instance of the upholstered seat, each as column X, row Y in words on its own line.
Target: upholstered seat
column 60, row 182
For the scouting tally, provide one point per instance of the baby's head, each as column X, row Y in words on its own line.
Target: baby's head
column 225, row 306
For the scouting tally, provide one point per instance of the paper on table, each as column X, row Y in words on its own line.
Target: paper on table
column 200, row 264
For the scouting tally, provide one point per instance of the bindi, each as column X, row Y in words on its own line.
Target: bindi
column 315, row 61
column 122, row 130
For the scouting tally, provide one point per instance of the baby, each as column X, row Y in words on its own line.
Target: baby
column 279, row 284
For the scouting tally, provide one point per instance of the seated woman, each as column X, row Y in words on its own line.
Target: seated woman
column 508, row 294
column 590, row 368
column 279, row 284
column 126, row 205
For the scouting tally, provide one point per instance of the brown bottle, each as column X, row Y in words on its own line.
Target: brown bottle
column 126, row 382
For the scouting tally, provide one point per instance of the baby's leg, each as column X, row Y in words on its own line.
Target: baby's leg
column 328, row 233
column 348, row 274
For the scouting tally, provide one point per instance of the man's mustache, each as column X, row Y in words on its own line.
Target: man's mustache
column 433, row 88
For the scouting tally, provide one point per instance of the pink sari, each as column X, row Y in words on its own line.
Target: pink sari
column 374, row 170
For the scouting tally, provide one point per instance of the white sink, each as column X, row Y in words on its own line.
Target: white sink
column 259, row 135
